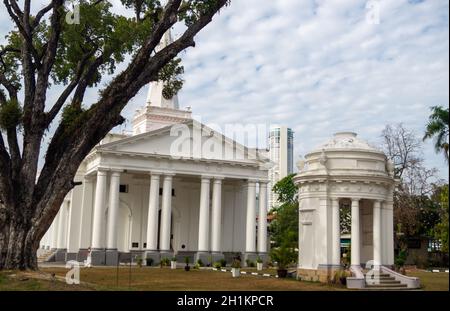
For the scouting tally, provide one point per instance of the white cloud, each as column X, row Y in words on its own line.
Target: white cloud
column 319, row 67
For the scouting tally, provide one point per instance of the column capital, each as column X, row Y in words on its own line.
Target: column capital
column 218, row 180
column 252, row 181
column 355, row 199
column 263, row 181
column 102, row 172
column 115, row 173
column 168, row 174
column 206, row 177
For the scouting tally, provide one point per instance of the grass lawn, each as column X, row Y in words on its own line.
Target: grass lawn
column 431, row 281
column 154, row 279
column 166, row 279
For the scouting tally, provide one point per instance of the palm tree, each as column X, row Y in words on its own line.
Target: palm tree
column 437, row 127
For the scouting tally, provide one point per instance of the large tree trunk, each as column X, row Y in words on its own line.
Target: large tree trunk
column 18, row 246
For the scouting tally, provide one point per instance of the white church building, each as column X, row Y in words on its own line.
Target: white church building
column 175, row 187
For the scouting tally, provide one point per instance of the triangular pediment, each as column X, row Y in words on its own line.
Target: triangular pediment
column 188, row 140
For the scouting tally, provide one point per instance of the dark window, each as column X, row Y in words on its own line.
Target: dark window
column 123, row 188
column 134, row 244
column 145, row 245
column 161, row 191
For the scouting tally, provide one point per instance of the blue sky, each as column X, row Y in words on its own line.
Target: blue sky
column 318, row 67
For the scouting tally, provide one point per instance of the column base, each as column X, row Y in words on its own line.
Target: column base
column 71, row 256
column 82, row 254
column 323, row 273
column 111, row 257
column 250, row 256
column 98, row 257
column 60, row 254
column 152, row 257
column 205, row 257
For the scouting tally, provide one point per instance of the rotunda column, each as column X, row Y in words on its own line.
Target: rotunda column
column 355, row 238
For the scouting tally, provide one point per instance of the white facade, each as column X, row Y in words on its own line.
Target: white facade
column 346, row 170
column 174, row 187
column 281, row 153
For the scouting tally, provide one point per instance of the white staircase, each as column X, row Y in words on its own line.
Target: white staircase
column 44, row 255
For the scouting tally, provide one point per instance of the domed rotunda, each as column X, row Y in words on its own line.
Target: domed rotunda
column 344, row 173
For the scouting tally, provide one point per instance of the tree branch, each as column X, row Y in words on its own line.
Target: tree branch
column 70, row 87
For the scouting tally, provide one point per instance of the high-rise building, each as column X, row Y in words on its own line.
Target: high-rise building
column 281, row 152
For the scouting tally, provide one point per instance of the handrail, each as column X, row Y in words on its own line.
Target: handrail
column 411, row 282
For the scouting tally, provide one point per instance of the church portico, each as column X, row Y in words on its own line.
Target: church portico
column 166, row 210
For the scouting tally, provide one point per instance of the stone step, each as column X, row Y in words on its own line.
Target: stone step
column 389, row 289
column 386, row 285
column 388, row 282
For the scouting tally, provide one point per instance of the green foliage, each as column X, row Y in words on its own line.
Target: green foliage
column 200, row 263
column 10, row 115
column 186, row 260
column 223, row 262
column 165, row 262
column 441, row 231
column 191, row 10
column 250, row 263
column 284, row 228
column 400, row 259
column 217, row 265
column 437, row 128
column 286, row 190
column 259, row 260
column 236, row 263
column 173, row 258
column 284, row 256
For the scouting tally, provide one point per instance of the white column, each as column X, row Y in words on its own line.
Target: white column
column 336, row 233
column 113, row 211
column 62, row 226
column 203, row 220
column 355, row 239
column 74, row 219
column 152, row 218
column 86, row 213
column 250, row 241
column 54, row 241
column 166, row 211
column 216, row 217
column 262, row 219
column 377, row 233
column 99, row 211
column 390, row 233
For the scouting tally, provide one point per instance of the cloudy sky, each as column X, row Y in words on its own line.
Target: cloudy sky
column 319, row 66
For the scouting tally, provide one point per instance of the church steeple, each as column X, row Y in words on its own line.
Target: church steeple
column 155, row 96
column 159, row 111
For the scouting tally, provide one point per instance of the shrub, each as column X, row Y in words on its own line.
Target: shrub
column 173, row 258
column 236, row 264
column 217, row 265
column 223, row 262
column 186, row 260
column 250, row 263
column 200, row 263
column 149, row 261
column 259, row 260
column 165, row 261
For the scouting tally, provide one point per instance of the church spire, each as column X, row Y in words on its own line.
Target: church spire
column 155, row 96
column 158, row 111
